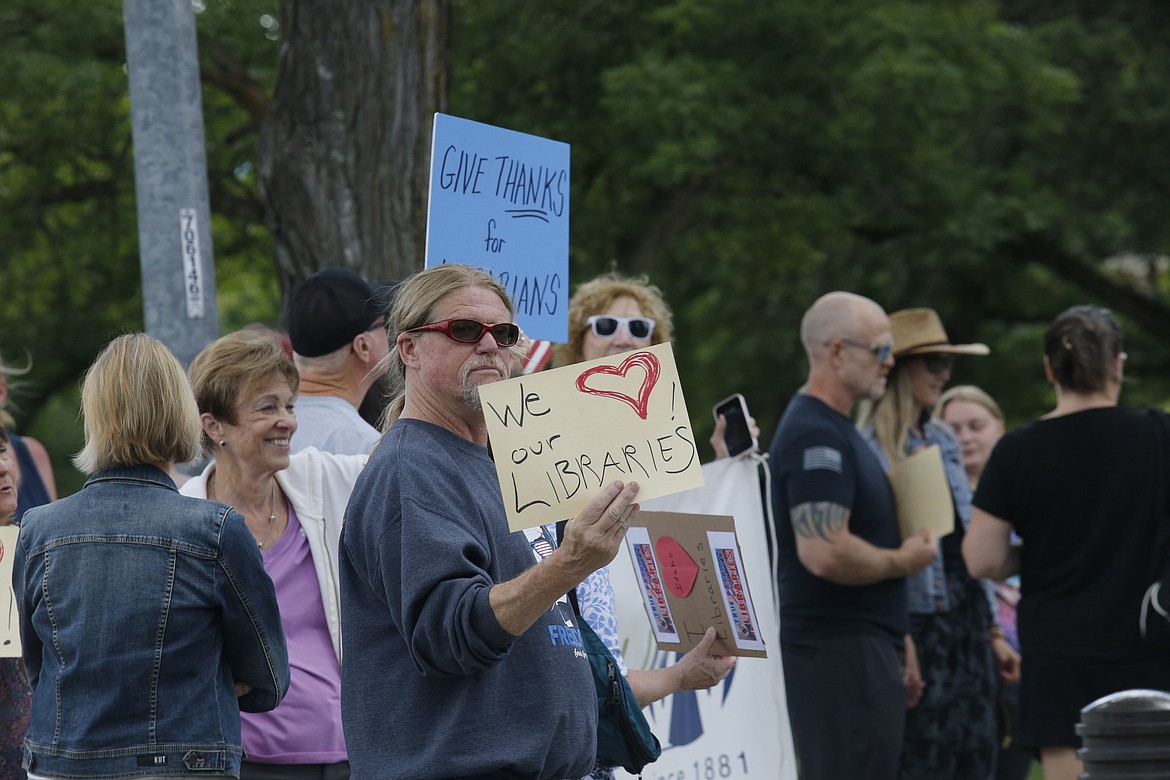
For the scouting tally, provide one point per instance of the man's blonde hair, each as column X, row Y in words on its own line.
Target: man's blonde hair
column 415, row 303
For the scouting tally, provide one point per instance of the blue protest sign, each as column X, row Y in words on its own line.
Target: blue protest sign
column 499, row 201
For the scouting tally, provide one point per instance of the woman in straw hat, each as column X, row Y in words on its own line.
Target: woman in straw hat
column 951, row 731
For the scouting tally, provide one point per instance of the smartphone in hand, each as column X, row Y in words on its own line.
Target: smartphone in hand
column 738, row 436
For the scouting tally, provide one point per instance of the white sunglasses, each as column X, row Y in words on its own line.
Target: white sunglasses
column 605, row 326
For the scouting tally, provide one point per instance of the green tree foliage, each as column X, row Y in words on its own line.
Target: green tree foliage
column 751, row 156
column 69, row 271
column 995, row 161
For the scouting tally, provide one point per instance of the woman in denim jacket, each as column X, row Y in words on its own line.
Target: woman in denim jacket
column 245, row 385
column 952, row 731
column 147, row 620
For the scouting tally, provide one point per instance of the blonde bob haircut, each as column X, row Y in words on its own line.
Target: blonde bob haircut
column 597, row 295
column 415, row 303
column 137, row 407
column 233, row 366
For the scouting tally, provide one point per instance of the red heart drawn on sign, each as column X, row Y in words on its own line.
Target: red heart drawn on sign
column 679, row 569
column 643, row 360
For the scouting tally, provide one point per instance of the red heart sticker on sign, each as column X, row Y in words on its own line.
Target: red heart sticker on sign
column 643, row 360
column 679, row 569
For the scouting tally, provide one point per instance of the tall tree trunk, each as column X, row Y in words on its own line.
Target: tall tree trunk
column 344, row 150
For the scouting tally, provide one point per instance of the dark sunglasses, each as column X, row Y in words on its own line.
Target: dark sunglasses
column 938, row 364
column 881, row 351
column 464, row 331
column 605, row 326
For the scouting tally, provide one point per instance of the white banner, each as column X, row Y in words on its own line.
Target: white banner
column 739, row 728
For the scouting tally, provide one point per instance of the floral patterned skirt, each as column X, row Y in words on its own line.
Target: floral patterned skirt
column 15, row 699
column 952, row 733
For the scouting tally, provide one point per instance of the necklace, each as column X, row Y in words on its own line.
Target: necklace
column 261, row 543
column 271, row 516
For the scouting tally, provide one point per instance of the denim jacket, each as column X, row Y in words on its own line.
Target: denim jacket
column 140, row 609
column 926, row 591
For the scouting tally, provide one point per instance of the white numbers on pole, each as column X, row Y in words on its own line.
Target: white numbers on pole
column 192, row 276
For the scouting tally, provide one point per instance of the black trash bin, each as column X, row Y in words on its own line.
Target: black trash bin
column 1126, row 736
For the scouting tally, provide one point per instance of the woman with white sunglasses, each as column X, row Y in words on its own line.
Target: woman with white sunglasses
column 607, row 316
column 613, row 314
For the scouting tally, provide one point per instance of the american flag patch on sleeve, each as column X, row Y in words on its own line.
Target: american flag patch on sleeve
column 825, row 458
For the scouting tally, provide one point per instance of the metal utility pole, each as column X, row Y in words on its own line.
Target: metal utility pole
column 170, row 175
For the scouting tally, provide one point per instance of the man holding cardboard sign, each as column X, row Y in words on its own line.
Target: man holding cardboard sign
column 463, row 659
column 842, row 560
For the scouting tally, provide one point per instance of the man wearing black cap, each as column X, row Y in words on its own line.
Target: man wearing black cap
column 337, row 326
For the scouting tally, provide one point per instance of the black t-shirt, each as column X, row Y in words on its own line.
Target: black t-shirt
column 1082, row 492
column 818, row 455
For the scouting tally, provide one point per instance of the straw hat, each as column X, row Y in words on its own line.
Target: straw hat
column 920, row 332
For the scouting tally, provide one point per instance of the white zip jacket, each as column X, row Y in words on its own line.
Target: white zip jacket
column 317, row 484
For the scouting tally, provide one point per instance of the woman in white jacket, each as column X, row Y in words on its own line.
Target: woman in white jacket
column 245, row 385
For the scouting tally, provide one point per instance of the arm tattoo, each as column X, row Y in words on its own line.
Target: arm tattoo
column 821, row 519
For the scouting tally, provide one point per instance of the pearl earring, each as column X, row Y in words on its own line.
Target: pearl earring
column 223, row 442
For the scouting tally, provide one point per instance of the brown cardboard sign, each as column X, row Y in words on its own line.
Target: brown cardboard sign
column 923, row 494
column 691, row 574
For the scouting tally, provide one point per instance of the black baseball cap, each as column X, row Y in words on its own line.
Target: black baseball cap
column 331, row 307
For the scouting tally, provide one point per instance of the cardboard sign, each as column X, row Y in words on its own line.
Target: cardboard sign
column 923, row 494
column 10, row 620
column 692, row 576
column 559, row 436
column 499, row 201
